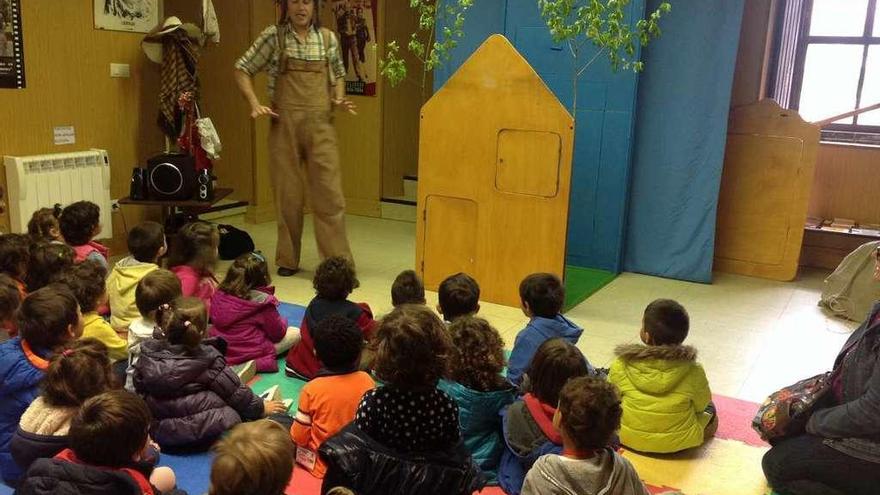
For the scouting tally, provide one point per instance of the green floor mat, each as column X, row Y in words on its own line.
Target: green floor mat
column 581, row 283
column 290, row 387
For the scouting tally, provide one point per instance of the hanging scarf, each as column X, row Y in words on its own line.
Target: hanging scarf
column 179, row 74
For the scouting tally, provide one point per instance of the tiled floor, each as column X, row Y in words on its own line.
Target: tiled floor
column 754, row 336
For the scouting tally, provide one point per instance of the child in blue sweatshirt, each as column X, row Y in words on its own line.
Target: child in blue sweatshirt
column 542, row 296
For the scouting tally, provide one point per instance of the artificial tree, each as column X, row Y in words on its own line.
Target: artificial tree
column 601, row 23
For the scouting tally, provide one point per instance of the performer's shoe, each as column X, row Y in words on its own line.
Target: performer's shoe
column 287, row 272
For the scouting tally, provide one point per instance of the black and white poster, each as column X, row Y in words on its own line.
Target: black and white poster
column 11, row 45
column 137, row 16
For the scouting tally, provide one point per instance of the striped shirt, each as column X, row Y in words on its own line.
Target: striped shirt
column 263, row 54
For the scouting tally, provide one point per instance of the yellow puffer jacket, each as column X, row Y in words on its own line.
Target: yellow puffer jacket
column 665, row 394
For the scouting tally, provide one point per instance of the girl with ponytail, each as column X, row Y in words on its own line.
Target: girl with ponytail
column 193, row 394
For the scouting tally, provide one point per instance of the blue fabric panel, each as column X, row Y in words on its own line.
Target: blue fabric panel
column 484, row 18
column 681, row 131
column 602, row 155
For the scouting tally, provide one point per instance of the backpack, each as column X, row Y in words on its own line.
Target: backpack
column 851, row 291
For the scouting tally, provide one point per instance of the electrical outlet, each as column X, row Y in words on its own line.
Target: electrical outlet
column 114, row 205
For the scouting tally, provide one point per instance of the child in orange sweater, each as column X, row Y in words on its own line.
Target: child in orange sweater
column 330, row 400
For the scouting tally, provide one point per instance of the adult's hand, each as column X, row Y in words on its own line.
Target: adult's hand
column 260, row 110
column 346, row 104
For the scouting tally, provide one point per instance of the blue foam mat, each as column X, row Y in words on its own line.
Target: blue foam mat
column 194, row 470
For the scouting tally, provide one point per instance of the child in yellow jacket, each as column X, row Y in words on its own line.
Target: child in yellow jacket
column 667, row 403
column 146, row 243
column 86, row 282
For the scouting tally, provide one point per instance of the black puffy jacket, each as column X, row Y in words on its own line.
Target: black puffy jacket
column 65, row 475
column 356, row 461
column 193, row 395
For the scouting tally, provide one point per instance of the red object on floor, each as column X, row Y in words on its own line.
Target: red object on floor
column 735, row 420
column 655, row 490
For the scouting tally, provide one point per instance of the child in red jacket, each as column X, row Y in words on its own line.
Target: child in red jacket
column 334, row 280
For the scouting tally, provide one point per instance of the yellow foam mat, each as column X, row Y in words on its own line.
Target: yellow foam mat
column 720, row 467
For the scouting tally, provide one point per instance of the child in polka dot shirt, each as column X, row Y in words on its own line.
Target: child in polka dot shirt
column 409, row 413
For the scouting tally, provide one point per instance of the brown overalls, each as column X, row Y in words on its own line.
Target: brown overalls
column 303, row 147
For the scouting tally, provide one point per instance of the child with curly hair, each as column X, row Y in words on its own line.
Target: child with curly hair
column 474, row 380
column 587, row 417
column 329, row 401
column 407, row 429
column 334, row 281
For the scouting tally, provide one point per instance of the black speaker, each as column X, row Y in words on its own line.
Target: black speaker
column 171, row 177
column 206, row 186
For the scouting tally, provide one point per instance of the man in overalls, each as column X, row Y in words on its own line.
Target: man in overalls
column 306, row 81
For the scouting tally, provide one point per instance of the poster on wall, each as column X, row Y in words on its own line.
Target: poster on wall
column 355, row 24
column 11, row 45
column 136, row 16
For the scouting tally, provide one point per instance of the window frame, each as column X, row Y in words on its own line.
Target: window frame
column 805, row 39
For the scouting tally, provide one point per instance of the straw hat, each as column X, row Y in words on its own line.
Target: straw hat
column 152, row 43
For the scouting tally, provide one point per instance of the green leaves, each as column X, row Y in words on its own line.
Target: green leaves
column 424, row 45
column 602, row 23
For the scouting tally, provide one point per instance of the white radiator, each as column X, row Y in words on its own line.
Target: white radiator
column 40, row 181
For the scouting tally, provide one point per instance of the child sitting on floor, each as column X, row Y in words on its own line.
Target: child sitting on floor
column 666, row 398
column 108, row 443
column 86, row 281
column 81, row 371
column 194, row 396
column 458, row 295
column 14, row 259
column 334, row 281
column 254, row 458
column 47, row 319
column 587, row 418
column 49, row 260
column 406, row 430
column 146, row 244
column 80, row 223
column 156, row 289
column 542, row 296
column 44, row 227
column 244, row 312
column 330, row 400
column 474, row 380
column 528, row 423
column 193, row 257
column 407, row 289
column 10, row 300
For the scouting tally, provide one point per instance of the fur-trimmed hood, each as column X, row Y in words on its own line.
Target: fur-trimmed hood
column 657, row 369
column 638, row 352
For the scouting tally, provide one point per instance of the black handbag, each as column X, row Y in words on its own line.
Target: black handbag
column 234, row 242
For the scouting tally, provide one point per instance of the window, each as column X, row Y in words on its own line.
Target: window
column 827, row 62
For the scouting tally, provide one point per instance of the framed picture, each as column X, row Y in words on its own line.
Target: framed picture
column 11, row 45
column 136, row 16
column 355, row 24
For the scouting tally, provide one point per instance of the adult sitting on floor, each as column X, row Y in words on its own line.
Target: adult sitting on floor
column 840, row 451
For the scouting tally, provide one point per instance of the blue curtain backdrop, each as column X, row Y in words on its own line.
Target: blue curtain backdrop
column 681, row 131
column 604, row 128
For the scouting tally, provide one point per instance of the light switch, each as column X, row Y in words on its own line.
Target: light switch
column 120, row 70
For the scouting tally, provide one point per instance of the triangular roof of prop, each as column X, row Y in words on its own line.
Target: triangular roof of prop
column 480, row 70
